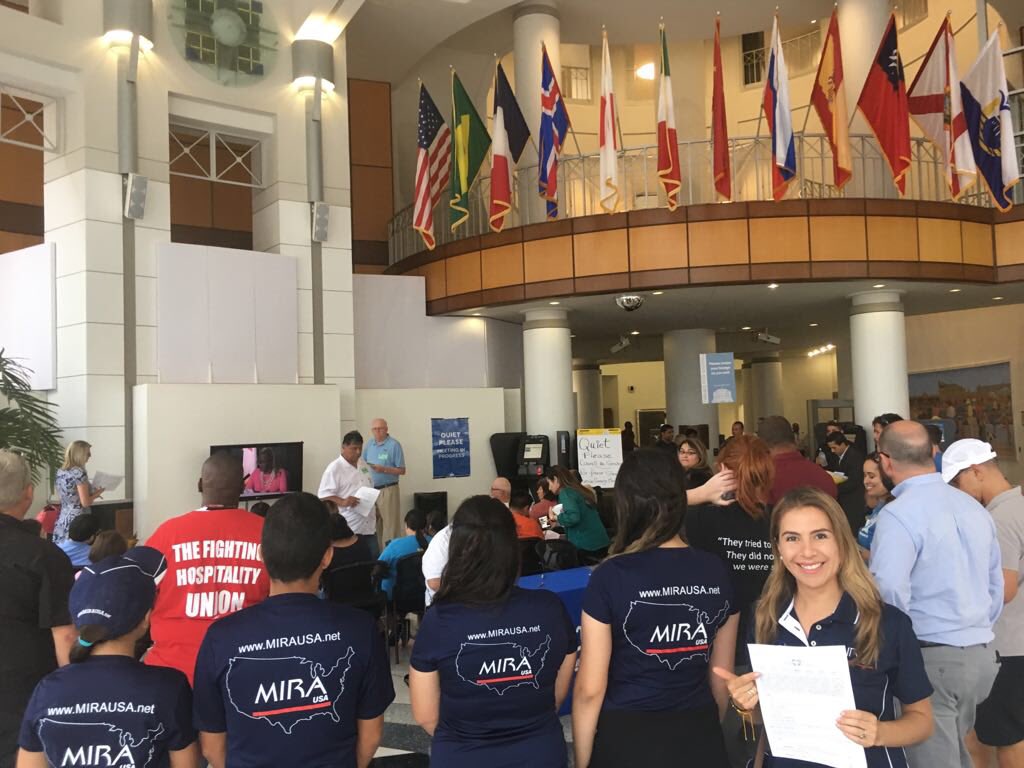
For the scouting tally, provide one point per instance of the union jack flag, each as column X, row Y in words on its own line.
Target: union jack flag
column 554, row 125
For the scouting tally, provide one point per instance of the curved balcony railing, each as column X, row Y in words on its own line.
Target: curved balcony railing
column 641, row 189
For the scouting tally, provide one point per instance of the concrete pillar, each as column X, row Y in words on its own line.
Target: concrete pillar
column 878, row 350
column 535, row 22
column 682, row 378
column 586, row 383
column 547, row 368
column 766, row 389
column 861, row 24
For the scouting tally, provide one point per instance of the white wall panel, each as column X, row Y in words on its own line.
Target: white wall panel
column 28, row 311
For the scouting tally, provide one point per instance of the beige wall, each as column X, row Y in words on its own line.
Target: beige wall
column 648, row 382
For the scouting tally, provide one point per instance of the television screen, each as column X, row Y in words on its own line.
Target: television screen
column 533, row 451
column 268, row 469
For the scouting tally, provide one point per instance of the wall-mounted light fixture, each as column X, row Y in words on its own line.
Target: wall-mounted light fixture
column 312, row 59
column 122, row 19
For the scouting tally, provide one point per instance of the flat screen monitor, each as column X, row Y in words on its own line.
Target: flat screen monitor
column 268, row 469
column 533, row 451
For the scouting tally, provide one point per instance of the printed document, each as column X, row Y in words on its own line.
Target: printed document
column 367, row 498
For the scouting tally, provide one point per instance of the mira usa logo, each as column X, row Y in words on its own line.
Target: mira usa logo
column 286, row 691
column 499, row 667
column 95, row 744
column 671, row 632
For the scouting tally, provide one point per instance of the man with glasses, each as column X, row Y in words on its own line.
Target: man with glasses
column 935, row 557
column 970, row 465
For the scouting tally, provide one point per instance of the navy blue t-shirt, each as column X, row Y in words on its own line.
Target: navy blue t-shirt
column 497, row 668
column 109, row 711
column 898, row 674
column 664, row 607
column 288, row 678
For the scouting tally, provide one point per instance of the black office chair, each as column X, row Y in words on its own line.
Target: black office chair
column 557, row 555
column 529, row 561
column 408, row 595
column 356, row 585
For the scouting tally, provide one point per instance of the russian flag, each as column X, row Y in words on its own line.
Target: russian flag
column 780, row 119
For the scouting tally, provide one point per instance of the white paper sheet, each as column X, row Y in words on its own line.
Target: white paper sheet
column 106, row 481
column 367, row 498
column 802, row 691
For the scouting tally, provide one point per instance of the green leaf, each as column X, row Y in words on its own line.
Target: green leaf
column 28, row 423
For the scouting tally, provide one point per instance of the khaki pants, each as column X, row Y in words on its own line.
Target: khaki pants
column 390, row 520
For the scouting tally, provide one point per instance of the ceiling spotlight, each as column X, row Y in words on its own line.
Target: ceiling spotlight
column 645, row 71
column 745, row 328
column 812, row 325
column 878, row 285
column 656, row 293
column 476, row 314
column 634, row 333
column 554, row 303
column 772, row 286
column 814, row 21
column 998, row 298
column 955, row 290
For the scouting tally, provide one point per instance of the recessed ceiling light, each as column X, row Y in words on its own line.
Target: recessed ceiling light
column 554, row 303
column 657, row 293
column 773, row 286
column 998, row 298
column 814, row 21
column 954, row 290
column 634, row 333
column 878, row 285
column 745, row 328
column 572, row 335
column 812, row 325
column 476, row 314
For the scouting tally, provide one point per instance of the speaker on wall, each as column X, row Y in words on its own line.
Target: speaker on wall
column 135, row 189
column 321, row 216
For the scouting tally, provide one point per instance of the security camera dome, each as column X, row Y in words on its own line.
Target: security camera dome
column 629, row 302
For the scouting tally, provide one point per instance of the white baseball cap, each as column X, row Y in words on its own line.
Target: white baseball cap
column 963, row 454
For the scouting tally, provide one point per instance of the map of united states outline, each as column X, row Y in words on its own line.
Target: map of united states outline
column 315, row 673
column 673, row 657
column 82, row 754
column 507, row 668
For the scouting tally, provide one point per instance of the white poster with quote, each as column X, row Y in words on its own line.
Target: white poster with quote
column 599, row 456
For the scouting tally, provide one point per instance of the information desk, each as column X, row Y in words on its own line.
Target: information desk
column 569, row 585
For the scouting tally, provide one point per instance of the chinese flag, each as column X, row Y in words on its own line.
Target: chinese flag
column 884, row 103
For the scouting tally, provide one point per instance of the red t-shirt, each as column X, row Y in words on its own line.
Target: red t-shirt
column 214, row 567
column 527, row 527
column 792, row 471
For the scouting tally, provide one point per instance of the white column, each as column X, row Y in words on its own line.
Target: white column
column 861, row 24
column 547, row 366
column 766, row 389
column 586, row 383
column 878, row 350
column 535, row 22
column 682, row 351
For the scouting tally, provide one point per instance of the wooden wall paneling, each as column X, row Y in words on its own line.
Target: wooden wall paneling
column 14, row 241
column 548, row 259
column 838, row 238
column 232, row 207
column 658, row 247
column 434, row 274
column 191, row 202
column 977, row 243
column 779, row 240
column 371, row 202
column 718, row 243
column 940, row 240
column 601, row 253
column 21, row 175
column 1009, row 237
column 892, row 238
column 501, row 266
column 370, row 122
column 463, row 273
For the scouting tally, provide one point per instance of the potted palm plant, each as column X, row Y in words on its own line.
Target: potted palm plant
column 28, row 424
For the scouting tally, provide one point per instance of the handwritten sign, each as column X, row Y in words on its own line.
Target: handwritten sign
column 599, row 452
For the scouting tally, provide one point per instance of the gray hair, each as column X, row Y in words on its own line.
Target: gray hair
column 15, row 477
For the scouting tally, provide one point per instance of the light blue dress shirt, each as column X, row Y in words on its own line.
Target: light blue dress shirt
column 386, row 454
column 936, row 558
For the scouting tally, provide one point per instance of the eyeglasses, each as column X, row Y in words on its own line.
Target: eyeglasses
column 688, row 452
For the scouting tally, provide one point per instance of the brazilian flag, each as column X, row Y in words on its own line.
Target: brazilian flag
column 469, row 148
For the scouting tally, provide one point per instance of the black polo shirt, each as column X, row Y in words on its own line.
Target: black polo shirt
column 898, row 674
column 35, row 581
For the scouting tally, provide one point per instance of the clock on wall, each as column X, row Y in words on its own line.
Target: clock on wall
column 232, row 42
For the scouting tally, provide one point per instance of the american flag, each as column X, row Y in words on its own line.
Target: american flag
column 554, row 124
column 433, row 163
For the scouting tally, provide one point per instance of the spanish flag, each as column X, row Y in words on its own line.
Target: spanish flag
column 469, row 148
column 829, row 99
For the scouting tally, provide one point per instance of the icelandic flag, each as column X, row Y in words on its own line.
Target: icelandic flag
column 780, row 119
column 554, row 125
column 987, row 112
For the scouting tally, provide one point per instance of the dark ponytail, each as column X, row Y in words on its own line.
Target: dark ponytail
column 88, row 637
column 416, row 521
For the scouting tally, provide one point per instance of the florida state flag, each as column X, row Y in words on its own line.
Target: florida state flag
column 884, row 103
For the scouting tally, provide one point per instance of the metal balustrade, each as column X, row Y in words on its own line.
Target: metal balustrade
column 639, row 186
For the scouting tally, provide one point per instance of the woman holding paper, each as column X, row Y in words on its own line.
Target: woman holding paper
column 72, row 483
column 820, row 593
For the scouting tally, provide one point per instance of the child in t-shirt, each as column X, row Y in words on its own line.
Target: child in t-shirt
column 106, row 708
column 81, row 532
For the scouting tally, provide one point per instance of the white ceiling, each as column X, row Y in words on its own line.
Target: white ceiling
column 387, row 38
column 786, row 312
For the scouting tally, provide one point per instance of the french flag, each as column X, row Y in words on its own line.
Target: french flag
column 780, row 119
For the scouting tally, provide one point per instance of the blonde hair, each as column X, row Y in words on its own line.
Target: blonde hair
column 15, row 477
column 76, row 454
column 854, row 577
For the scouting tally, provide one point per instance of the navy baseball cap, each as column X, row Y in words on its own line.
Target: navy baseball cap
column 116, row 592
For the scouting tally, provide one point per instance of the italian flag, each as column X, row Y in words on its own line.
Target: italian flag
column 668, row 141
